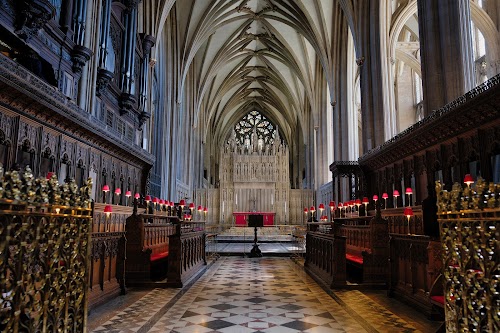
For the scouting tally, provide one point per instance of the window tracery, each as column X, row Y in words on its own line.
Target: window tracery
column 264, row 128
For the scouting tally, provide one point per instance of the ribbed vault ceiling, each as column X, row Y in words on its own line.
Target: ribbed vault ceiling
column 254, row 55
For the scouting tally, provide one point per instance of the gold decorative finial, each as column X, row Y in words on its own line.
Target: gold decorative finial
column 25, row 188
column 482, row 196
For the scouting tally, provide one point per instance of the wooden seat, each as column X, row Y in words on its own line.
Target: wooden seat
column 159, row 256
column 354, row 259
column 437, row 298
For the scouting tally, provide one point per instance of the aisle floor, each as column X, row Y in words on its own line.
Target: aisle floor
column 269, row 294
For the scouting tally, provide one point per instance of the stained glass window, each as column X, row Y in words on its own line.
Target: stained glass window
column 244, row 128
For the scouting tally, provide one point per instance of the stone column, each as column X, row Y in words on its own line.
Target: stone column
column 369, row 60
column 445, row 51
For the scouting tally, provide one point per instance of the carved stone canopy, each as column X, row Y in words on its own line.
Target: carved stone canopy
column 79, row 56
column 104, row 77
column 345, row 168
column 143, row 117
column 148, row 42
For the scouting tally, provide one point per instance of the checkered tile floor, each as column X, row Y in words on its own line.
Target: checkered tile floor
column 254, row 295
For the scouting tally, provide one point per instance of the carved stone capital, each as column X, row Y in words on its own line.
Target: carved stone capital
column 79, row 56
column 360, row 61
column 148, row 42
column 127, row 103
column 104, row 77
column 32, row 16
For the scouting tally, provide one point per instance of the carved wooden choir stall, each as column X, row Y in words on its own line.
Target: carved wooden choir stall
column 160, row 246
column 457, row 272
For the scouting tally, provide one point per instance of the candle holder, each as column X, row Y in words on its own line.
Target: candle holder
column 409, row 192
column 408, row 213
column 312, row 210
column 332, row 210
column 468, row 180
column 357, row 202
column 118, row 192
column 366, row 202
column 200, row 210
column 395, row 194
column 105, row 189
column 385, row 196
column 128, row 194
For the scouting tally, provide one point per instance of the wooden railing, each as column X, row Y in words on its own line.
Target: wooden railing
column 415, row 264
column 187, row 252
column 325, row 254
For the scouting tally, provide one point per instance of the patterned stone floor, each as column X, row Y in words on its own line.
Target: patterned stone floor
column 255, row 295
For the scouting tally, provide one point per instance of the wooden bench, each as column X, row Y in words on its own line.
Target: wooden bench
column 366, row 246
column 147, row 247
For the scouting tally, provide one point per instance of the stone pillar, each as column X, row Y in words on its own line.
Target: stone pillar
column 445, row 51
column 368, row 59
column 492, row 8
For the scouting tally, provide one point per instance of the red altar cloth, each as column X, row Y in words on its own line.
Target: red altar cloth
column 241, row 218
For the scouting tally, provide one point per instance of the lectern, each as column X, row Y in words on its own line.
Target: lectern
column 256, row 221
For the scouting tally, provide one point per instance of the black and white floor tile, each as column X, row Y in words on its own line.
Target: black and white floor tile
column 254, row 295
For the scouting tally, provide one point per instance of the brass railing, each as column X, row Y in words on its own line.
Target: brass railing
column 469, row 225
column 44, row 254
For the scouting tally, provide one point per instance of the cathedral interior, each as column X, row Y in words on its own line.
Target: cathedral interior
column 249, row 166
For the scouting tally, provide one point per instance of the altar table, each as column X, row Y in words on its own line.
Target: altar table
column 241, row 218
